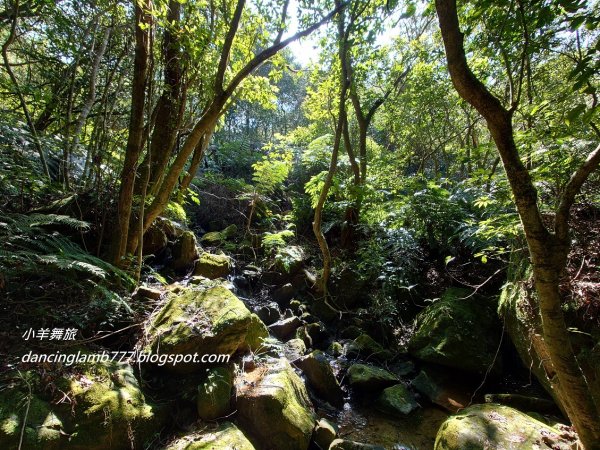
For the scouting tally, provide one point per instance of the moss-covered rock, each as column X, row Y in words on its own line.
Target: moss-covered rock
column 226, row 437
column 184, row 252
column 335, row 349
column 497, row 427
column 368, row 378
column 204, row 321
column 44, row 427
column 397, row 400
column 257, row 333
column 105, row 409
column 218, row 237
column 274, row 407
column 214, row 393
column 213, row 266
column 321, row 378
column 110, row 409
column 365, row 347
column 289, row 260
column 459, row 331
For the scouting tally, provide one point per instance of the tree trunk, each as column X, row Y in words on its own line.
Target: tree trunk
column 194, row 165
column 11, row 38
column 318, row 217
column 548, row 250
column 136, row 130
column 168, row 108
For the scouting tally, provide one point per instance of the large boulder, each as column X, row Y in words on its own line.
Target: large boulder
column 460, row 331
column 106, row 410
column 214, row 393
column 498, row 427
column 213, row 266
column 202, row 321
column 184, row 252
column 226, row 437
column 274, row 407
column 369, row 378
column 321, row 378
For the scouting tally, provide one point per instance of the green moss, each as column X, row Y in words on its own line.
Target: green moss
column 226, row 437
column 43, row 429
column 277, row 410
column 212, row 266
column 214, row 393
column 397, row 400
column 257, row 333
column 369, row 378
column 105, row 410
column 111, row 408
column 497, row 427
column 200, row 321
column 459, row 331
column 366, row 347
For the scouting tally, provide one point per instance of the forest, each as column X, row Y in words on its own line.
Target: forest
column 300, row 224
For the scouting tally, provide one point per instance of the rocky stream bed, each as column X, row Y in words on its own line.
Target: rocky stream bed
column 302, row 374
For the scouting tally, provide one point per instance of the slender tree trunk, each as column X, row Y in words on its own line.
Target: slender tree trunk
column 548, row 250
column 339, row 130
column 136, row 130
column 11, row 38
column 194, row 165
column 86, row 109
column 168, row 108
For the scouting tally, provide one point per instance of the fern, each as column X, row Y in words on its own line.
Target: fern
column 29, row 248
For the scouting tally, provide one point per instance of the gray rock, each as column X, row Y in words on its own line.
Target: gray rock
column 269, row 314
column 321, row 378
column 284, row 329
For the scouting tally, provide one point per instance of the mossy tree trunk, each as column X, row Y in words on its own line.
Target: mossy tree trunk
column 548, row 248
